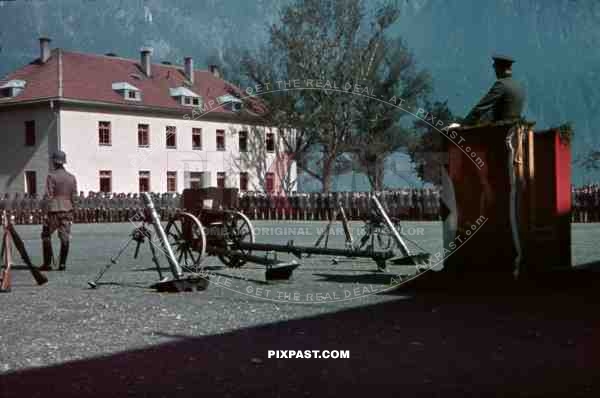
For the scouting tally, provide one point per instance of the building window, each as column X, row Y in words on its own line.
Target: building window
column 196, row 179
column 220, row 140
column 144, row 181
column 270, row 142
column 131, row 94
column 196, row 101
column 243, row 141
column 143, row 135
column 270, row 182
column 171, row 181
column 30, row 182
column 187, row 100
column 30, row 133
column 105, row 181
column 220, row 179
column 243, row 181
column 104, row 133
column 171, row 137
column 196, row 138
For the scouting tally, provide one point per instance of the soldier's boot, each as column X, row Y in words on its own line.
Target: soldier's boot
column 64, row 253
column 47, row 253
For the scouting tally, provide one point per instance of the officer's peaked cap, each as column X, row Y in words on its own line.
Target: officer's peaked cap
column 59, row 157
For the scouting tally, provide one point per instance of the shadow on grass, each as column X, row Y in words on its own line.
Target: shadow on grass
column 433, row 345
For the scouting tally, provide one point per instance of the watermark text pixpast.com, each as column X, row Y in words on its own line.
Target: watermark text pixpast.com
column 308, row 354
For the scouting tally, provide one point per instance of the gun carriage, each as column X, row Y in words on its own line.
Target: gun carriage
column 211, row 225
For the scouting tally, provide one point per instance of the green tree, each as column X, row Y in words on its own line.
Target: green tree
column 427, row 149
column 378, row 132
column 338, row 43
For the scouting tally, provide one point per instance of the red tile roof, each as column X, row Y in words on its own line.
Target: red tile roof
column 89, row 77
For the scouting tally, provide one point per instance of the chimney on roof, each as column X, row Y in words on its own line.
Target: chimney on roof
column 214, row 69
column 146, row 63
column 189, row 69
column 44, row 49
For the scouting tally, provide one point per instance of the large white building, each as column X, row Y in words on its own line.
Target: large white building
column 130, row 125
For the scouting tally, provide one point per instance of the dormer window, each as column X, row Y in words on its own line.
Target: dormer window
column 128, row 91
column 230, row 102
column 185, row 96
column 12, row 88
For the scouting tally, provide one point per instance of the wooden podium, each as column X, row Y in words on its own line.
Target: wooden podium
column 511, row 200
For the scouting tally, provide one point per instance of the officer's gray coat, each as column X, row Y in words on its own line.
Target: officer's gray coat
column 504, row 101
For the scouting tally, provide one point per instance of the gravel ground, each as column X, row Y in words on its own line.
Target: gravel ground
column 126, row 339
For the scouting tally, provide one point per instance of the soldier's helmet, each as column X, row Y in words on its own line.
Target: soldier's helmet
column 59, row 157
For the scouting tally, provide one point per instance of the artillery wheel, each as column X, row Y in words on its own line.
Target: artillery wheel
column 187, row 238
column 236, row 228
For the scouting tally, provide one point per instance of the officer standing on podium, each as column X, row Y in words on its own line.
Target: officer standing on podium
column 61, row 191
column 504, row 101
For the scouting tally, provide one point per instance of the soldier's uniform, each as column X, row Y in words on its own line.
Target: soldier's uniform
column 61, row 189
column 272, row 206
column 2, row 202
column 506, row 98
column 35, row 209
column 308, row 208
column 94, row 204
column 436, row 204
column 26, row 206
column 16, row 208
column 137, row 206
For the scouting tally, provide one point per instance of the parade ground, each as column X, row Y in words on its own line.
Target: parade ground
column 123, row 339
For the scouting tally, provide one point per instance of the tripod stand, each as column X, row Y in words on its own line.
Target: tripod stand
column 139, row 235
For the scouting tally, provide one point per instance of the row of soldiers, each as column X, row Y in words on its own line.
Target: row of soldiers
column 585, row 203
column 100, row 207
column 95, row 207
column 407, row 204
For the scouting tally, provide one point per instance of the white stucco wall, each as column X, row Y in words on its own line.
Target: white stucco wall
column 79, row 139
column 15, row 157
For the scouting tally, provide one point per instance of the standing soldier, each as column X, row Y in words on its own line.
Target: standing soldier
column 272, row 206
column 251, row 205
column 596, row 200
column 244, row 205
column 319, row 206
column 28, row 208
column 310, row 205
column 16, row 208
column 2, row 202
column 120, row 207
column 360, row 205
column 504, row 100
column 303, row 203
column 8, row 206
column 573, row 212
column 128, row 205
column 425, row 203
column 94, row 203
column 61, row 188
column 99, row 205
column 436, row 204
column 137, row 206
column 35, row 209
column 333, row 204
column 294, row 206
column 84, row 203
column 80, row 210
